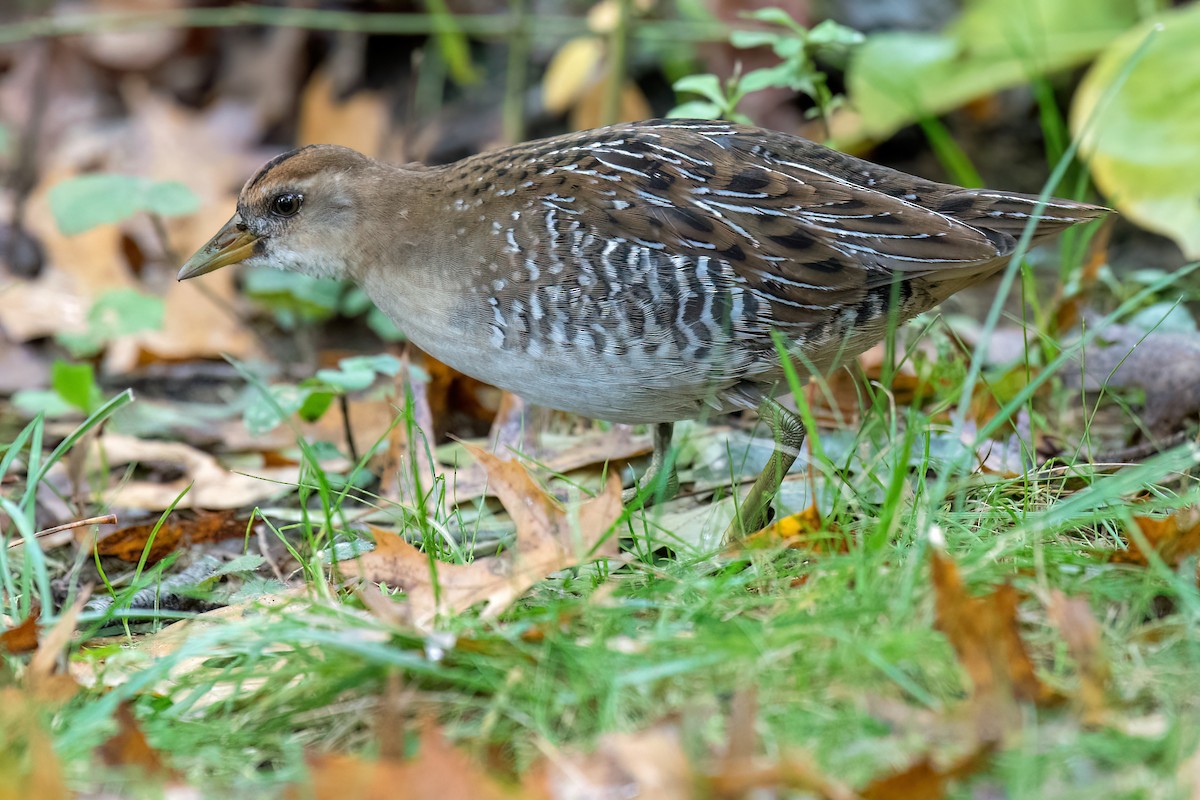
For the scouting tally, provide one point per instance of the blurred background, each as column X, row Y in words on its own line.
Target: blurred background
column 128, row 126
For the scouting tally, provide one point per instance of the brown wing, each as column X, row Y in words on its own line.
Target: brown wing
column 809, row 229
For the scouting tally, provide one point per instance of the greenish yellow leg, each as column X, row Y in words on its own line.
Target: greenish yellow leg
column 788, row 432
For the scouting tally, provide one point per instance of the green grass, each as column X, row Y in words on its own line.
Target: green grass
column 827, row 640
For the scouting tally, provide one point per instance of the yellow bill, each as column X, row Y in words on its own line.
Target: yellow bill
column 231, row 245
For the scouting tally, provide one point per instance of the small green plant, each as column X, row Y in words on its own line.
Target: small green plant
column 312, row 397
column 87, row 201
column 799, row 50
column 116, row 313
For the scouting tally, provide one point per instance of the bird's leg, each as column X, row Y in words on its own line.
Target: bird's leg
column 788, row 432
column 659, row 461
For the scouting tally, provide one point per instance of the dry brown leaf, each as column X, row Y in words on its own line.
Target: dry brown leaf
column 213, row 486
column 549, row 538
column 437, row 772
column 923, row 780
column 1173, row 538
column 39, row 775
column 43, row 680
column 1073, row 618
column 648, row 763
column 359, row 121
column 984, row 634
column 585, row 450
column 22, row 638
column 177, row 532
column 739, row 773
column 168, row 142
column 128, row 747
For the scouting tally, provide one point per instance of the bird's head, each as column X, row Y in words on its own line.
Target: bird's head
column 297, row 213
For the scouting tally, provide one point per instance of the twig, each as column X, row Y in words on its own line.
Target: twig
column 107, row 519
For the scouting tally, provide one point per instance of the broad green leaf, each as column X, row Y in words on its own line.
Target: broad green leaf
column 696, row 109
column 898, row 78
column 82, row 203
column 292, row 296
column 76, row 384
column 315, row 406
column 358, row 372
column 776, row 16
column 1142, row 138
column 42, row 401
column 707, row 86
column 117, row 312
column 263, row 414
column 383, row 326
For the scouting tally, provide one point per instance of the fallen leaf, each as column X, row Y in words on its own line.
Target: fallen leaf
column 1173, row 538
column 548, row 539
column 1073, row 618
column 648, row 763
column 39, row 774
column 437, row 772
column 923, row 780
column 42, row 679
column 804, row 530
column 212, row 485
column 22, row 638
column 358, row 121
column 177, row 532
column 984, row 634
column 571, row 71
column 128, row 746
column 558, row 455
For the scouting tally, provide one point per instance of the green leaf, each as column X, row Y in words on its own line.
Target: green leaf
column 383, row 326
column 116, row 313
column 264, row 414
column 1142, row 138
column 76, row 384
column 82, row 203
column 42, row 401
column 358, row 372
column 707, row 86
column 897, row 78
column 696, row 109
column 291, row 295
column 776, row 16
column 315, row 406
column 748, row 39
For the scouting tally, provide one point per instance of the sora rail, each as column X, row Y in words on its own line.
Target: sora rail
column 640, row 272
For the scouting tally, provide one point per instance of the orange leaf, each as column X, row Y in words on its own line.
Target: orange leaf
column 984, row 634
column 549, row 538
column 438, row 771
column 925, row 781
column 177, row 532
column 1174, row 538
column 22, row 638
column 128, row 746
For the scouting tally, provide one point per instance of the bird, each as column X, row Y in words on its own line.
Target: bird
column 642, row 273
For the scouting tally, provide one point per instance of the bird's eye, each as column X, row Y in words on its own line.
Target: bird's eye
column 286, row 205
